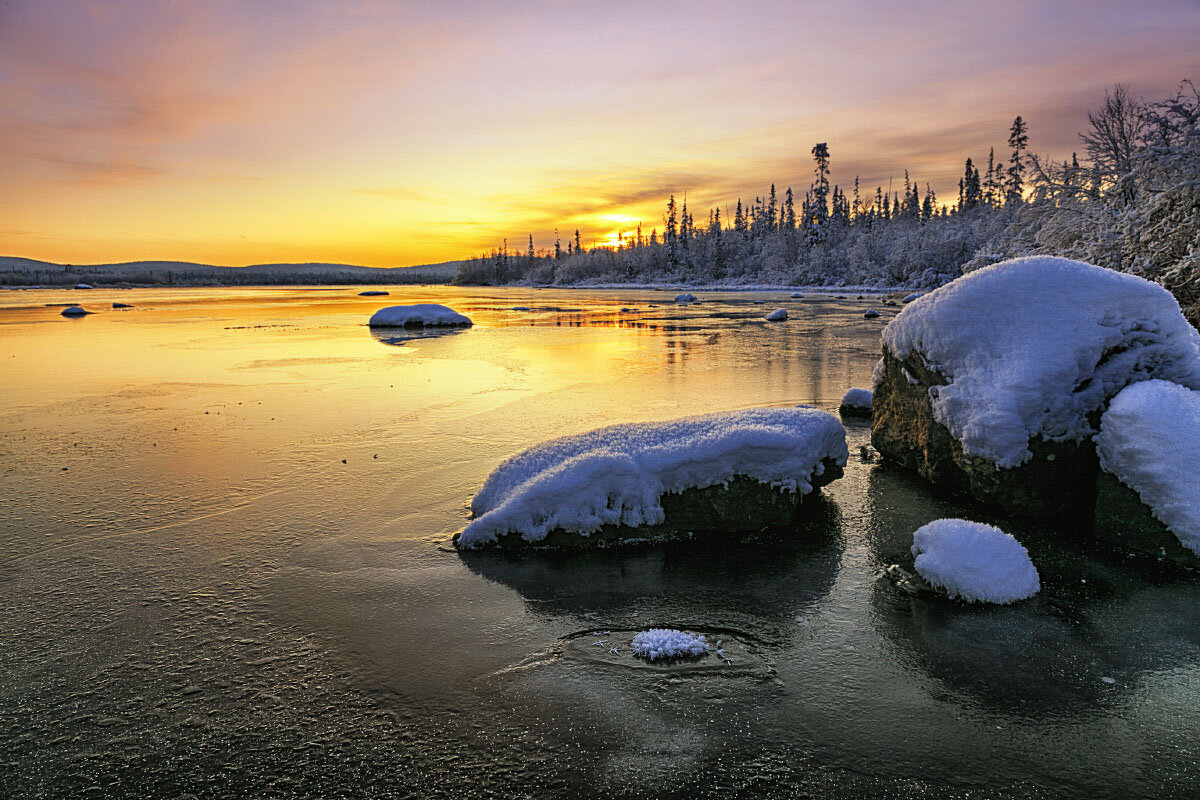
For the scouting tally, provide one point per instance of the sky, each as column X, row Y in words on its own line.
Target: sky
column 396, row 133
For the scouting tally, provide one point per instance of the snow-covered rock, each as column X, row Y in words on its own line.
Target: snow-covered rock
column 870, row 313
column 974, row 562
column 911, row 297
column 856, row 403
column 373, row 293
column 627, row 479
column 420, row 315
column 659, row 643
column 685, row 298
column 778, row 315
column 991, row 383
column 75, row 311
column 1149, row 440
column 796, row 295
column 83, row 286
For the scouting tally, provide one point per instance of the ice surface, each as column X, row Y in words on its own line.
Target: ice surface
column 778, row 315
column 659, row 643
column 974, row 562
column 857, row 398
column 1150, row 439
column 421, row 314
column 1030, row 346
column 617, row 475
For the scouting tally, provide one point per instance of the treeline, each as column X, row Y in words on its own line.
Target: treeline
column 1131, row 204
column 67, row 275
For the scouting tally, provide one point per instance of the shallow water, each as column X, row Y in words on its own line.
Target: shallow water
column 197, row 597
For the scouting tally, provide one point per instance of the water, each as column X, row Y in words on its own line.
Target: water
column 197, row 597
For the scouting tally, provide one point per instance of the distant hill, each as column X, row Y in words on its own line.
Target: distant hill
column 16, row 271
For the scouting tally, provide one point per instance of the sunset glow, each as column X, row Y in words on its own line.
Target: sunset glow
column 399, row 133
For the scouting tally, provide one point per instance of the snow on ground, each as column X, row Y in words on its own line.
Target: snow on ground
column 659, row 643
column 778, row 315
column 1030, row 346
column 617, row 475
column 974, row 562
column 1150, row 439
column 419, row 315
column 857, row 398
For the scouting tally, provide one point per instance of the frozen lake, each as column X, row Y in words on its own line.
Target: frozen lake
column 199, row 598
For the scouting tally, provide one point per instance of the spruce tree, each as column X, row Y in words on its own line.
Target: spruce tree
column 818, row 211
column 1018, row 140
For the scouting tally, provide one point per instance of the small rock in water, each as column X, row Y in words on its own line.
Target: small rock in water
column 343, row 461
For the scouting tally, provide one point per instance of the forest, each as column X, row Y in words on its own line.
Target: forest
column 1129, row 200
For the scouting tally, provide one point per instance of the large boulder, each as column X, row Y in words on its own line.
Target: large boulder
column 739, row 471
column 994, row 384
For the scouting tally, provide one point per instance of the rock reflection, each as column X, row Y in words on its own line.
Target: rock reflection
column 698, row 582
column 398, row 337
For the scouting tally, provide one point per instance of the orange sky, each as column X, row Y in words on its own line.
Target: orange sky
column 392, row 133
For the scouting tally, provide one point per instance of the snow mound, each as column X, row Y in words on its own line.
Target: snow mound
column 419, row 315
column 778, row 315
column 1030, row 346
column 685, row 298
column 974, row 562
column 857, row 398
column 617, row 475
column 1150, row 439
column 659, row 643
column 75, row 311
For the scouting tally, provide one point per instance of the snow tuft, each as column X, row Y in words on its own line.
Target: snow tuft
column 419, row 315
column 1150, row 439
column 1030, row 346
column 974, row 562
column 659, row 643
column 617, row 475
column 857, row 398
column 778, row 315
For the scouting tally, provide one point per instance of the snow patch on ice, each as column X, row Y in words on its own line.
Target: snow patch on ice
column 974, row 561
column 419, row 315
column 1150, row 439
column 1030, row 346
column 778, row 315
column 659, row 643
column 617, row 475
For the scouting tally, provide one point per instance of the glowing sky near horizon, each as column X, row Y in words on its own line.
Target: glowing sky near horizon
column 393, row 133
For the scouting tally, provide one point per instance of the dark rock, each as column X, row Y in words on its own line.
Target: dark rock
column 1124, row 520
column 75, row 311
column 861, row 412
column 121, row 305
column 1058, row 480
column 745, row 506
